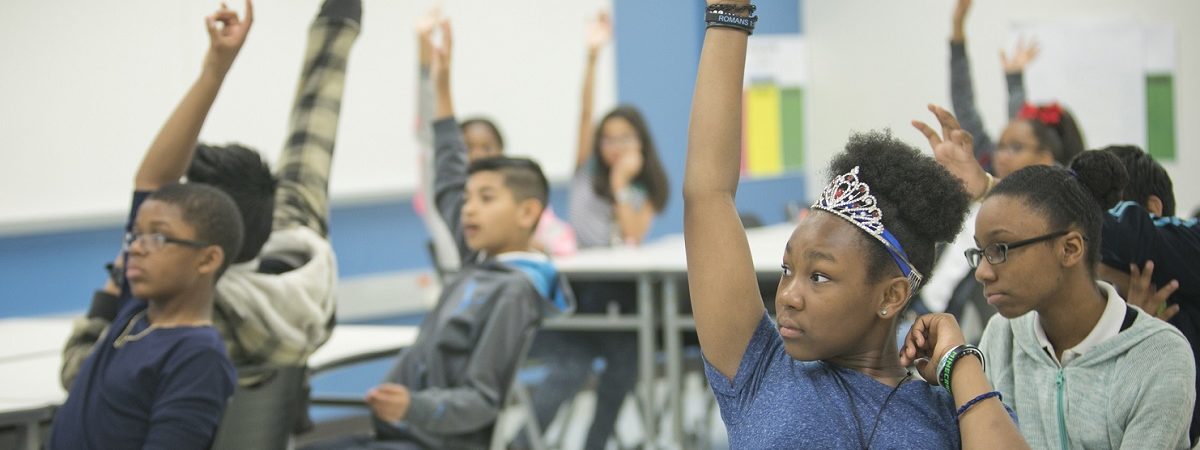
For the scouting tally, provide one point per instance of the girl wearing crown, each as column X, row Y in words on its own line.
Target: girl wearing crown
column 826, row 373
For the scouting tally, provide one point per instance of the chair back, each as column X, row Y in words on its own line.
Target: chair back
column 263, row 414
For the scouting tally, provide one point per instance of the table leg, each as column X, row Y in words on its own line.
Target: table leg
column 32, row 434
column 646, row 357
column 674, row 349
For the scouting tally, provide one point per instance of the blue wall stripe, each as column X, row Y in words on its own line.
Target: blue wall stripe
column 56, row 272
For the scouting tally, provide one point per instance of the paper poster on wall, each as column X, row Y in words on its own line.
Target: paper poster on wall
column 1117, row 78
column 773, row 114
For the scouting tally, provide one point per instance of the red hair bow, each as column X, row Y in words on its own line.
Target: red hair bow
column 1050, row 114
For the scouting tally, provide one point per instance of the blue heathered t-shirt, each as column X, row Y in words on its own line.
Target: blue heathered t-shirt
column 776, row 402
column 166, row 389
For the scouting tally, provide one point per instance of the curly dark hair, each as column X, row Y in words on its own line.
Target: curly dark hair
column 1075, row 197
column 1146, row 177
column 242, row 174
column 921, row 202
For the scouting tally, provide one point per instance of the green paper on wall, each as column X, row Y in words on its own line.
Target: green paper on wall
column 1160, row 116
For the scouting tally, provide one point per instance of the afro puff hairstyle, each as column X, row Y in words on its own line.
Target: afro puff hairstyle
column 921, row 202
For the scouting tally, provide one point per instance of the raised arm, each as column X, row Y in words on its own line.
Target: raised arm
column 725, row 297
column 598, row 35
column 426, row 96
column 953, row 150
column 450, row 157
column 962, row 90
column 1014, row 72
column 171, row 152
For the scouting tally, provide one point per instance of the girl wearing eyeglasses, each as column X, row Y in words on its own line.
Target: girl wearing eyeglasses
column 1080, row 367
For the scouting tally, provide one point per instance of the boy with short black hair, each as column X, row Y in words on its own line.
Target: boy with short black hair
column 447, row 389
column 159, row 376
column 276, row 305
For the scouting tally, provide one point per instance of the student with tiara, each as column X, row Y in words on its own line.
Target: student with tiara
column 826, row 373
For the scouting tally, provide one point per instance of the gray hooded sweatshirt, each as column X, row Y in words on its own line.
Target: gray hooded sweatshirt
column 1134, row 390
column 469, row 346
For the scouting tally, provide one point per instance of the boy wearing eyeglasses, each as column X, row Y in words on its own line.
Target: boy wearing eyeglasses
column 159, row 376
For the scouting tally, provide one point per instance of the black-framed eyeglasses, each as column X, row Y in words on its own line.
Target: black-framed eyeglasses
column 998, row 252
column 154, row 242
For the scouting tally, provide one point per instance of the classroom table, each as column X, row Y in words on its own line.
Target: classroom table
column 29, row 373
column 20, row 338
column 662, row 261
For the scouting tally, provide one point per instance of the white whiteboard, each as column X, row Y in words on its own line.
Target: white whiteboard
column 87, row 84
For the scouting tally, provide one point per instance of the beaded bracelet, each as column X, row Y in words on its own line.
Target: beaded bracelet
column 984, row 396
column 946, row 365
column 729, row 8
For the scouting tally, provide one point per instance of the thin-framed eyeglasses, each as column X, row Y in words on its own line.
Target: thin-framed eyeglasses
column 154, row 242
column 997, row 253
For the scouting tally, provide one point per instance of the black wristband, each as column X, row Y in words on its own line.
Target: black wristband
column 104, row 306
column 720, row 19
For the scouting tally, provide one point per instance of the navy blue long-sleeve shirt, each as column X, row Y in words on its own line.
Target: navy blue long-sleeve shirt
column 166, row 388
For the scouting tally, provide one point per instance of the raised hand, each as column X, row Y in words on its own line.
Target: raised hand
column 954, row 150
column 440, row 69
column 389, row 401
column 1025, row 53
column 931, row 336
column 226, row 35
column 426, row 25
column 960, row 18
column 599, row 32
column 1150, row 298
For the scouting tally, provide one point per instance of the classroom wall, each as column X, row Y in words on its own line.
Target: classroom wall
column 88, row 84
column 877, row 64
column 53, row 268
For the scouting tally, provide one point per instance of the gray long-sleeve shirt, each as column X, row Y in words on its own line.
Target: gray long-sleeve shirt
column 460, row 368
column 962, row 97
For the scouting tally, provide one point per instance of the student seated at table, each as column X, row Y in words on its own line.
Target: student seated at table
column 275, row 306
column 448, row 388
column 160, row 377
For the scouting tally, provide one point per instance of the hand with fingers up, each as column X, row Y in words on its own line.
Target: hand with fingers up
column 1027, row 50
column 954, row 150
column 226, row 35
column 440, row 68
column 426, row 25
column 958, row 26
column 1150, row 298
